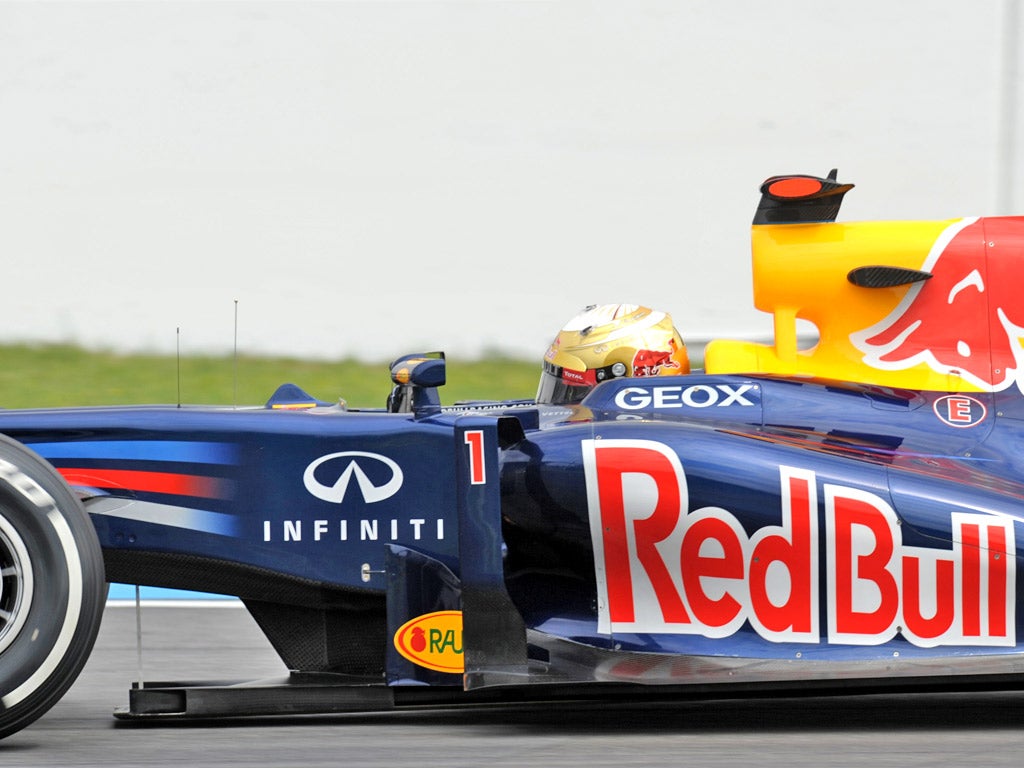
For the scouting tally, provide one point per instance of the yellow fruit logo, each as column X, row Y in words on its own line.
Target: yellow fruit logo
column 433, row 641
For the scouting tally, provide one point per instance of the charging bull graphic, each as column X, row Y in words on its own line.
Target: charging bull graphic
column 648, row 362
column 922, row 304
column 966, row 319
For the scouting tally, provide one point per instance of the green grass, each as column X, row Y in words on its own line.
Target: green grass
column 57, row 375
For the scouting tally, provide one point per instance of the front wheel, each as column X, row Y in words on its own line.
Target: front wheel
column 52, row 588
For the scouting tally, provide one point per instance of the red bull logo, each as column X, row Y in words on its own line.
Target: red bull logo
column 958, row 328
column 648, row 362
column 656, row 362
column 664, row 568
column 966, row 320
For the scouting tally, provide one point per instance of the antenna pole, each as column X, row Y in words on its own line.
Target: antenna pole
column 177, row 357
column 235, row 357
column 1006, row 175
column 138, row 631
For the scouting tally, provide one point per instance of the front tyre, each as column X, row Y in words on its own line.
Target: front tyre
column 52, row 588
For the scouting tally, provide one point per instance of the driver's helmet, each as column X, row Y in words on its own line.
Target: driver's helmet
column 608, row 342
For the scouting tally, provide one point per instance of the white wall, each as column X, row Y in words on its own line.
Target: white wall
column 371, row 178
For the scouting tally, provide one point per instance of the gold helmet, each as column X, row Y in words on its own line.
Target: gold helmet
column 608, row 342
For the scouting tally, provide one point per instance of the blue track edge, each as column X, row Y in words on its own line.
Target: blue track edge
column 127, row 592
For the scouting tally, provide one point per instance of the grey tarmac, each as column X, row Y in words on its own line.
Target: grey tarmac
column 222, row 642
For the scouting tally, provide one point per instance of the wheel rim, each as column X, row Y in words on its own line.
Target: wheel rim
column 15, row 584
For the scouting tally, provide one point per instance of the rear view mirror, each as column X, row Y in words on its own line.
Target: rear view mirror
column 416, row 379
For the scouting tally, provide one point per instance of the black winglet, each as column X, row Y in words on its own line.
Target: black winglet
column 800, row 199
column 879, row 276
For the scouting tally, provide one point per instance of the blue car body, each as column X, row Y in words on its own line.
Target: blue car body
column 305, row 513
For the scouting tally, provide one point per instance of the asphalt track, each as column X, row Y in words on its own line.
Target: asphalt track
column 218, row 642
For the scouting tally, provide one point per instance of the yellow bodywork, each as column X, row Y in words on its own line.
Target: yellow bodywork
column 800, row 271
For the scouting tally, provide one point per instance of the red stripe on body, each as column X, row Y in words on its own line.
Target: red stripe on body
column 152, row 482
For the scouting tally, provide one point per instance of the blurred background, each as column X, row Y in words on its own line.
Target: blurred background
column 370, row 178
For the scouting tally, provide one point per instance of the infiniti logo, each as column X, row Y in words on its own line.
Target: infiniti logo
column 336, row 493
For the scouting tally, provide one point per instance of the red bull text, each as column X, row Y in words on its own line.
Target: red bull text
column 663, row 568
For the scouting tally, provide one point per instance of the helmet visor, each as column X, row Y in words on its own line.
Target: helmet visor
column 555, row 390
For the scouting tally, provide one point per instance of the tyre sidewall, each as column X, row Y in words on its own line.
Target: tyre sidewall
column 60, row 622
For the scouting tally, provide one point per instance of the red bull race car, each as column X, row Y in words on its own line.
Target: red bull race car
column 839, row 516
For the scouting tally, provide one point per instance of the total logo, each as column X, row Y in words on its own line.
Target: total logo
column 662, row 568
column 346, row 466
column 695, row 396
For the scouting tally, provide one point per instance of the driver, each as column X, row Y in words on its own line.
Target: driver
column 607, row 342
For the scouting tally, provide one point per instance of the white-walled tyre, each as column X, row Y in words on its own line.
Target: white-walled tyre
column 52, row 587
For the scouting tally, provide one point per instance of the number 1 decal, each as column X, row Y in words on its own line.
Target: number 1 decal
column 475, row 441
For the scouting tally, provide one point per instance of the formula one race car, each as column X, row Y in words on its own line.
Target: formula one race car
column 836, row 516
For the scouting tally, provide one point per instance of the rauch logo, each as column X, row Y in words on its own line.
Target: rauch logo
column 433, row 640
